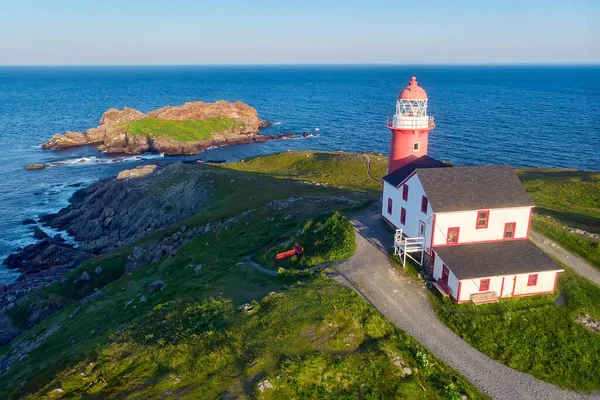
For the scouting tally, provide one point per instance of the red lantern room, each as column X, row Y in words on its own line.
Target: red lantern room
column 410, row 126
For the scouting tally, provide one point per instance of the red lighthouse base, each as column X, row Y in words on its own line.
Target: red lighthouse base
column 406, row 146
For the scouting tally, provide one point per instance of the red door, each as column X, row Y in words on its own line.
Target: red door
column 445, row 274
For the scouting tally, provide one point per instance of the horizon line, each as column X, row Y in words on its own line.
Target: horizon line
column 482, row 64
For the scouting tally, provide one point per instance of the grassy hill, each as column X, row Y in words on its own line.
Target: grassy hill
column 181, row 131
column 307, row 336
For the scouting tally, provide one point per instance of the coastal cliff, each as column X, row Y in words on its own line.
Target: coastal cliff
column 101, row 217
column 187, row 129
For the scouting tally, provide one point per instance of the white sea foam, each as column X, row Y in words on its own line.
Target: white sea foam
column 101, row 160
column 276, row 123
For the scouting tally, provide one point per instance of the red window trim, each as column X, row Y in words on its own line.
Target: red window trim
column 532, row 280
column 405, row 192
column 424, row 204
column 514, row 230
column 403, row 216
column 457, row 234
column 487, row 219
column 390, row 204
column 484, row 285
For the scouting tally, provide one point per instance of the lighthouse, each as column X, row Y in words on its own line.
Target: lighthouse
column 410, row 126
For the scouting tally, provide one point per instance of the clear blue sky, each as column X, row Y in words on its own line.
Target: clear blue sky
column 133, row 32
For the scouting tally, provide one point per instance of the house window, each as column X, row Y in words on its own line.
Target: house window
column 405, row 192
column 532, row 280
column 452, row 237
column 509, row 230
column 424, row 203
column 482, row 219
column 422, row 228
column 484, row 285
column 403, row 215
column 416, row 146
column 390, row 206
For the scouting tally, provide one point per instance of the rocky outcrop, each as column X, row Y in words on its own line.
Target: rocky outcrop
column 69, row 139
column 101, row 217
column 114, row 212
column 241, row 112
column 40, row 264
column 46, row 254
column 137, row 172
column 113, row 137
column 32, row 167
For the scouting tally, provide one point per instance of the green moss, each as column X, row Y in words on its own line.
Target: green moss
column 533, row 335
column 181, row 131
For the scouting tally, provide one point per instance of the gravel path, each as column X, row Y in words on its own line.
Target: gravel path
column 581, row 267
column 404, row 301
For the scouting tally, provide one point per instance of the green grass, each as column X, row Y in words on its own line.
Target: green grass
column 570, row 196
column 314, row 340
column 566, row 197
column 191, row 340
column 533, row 335
column 325, row 238
column 181, row 131
column 583, row 246
column 347, row 170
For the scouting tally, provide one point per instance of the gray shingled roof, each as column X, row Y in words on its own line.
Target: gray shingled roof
column 479, row 260
column 473, row 188
column 399, row 175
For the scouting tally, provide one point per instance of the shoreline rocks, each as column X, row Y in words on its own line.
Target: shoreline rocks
column 103, row 216
column 113, row 212
column 33, row 167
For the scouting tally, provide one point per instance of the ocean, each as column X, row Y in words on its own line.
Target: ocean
column 539, row 116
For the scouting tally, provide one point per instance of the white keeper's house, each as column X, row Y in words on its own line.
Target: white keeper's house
column 471, row 222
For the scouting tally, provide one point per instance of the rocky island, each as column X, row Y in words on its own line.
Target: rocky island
column 172, row 130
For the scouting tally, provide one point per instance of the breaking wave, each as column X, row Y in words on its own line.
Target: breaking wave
column 103, row 160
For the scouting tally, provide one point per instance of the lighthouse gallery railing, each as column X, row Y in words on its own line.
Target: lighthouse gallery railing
column 393, row 121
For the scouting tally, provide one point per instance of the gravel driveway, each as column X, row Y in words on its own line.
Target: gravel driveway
column 404, row 301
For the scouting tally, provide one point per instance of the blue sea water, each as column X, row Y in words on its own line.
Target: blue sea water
column 525, row 116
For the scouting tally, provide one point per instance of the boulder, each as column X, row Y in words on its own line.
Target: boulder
column 28, row 221
column 98, row 271
column 156, row 286
column 115, row 116
column 85, row 276
column 7, row 331
column 137, row 172
column 38, row 233
column 32, row 167
column 264, row 385
column 69, row 139
column 96, row 294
